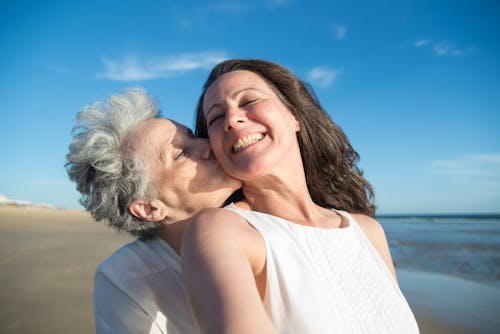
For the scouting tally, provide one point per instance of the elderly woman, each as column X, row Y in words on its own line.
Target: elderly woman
column 145, row 175
column 302, row 253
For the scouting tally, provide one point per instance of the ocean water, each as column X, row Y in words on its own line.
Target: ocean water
column 466, row 246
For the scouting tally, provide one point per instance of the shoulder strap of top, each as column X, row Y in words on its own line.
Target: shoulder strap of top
column 352, row 221
column 364, row 239
column 258, row 220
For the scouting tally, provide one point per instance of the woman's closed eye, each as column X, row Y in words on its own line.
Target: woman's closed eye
column 182, row 149
column 249, row 101
column 215, row 117
column 180, row 153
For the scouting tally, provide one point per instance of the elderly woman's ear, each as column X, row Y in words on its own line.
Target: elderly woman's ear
column 154, row 210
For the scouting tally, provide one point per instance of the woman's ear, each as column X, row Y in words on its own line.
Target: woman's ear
column 153, row 211
column 297, row 125
column 294, row 122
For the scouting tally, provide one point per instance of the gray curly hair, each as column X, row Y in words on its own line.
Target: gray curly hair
column 107, row 171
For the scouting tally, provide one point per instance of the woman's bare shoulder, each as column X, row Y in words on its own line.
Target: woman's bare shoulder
column 217, row 228
column 370, row 226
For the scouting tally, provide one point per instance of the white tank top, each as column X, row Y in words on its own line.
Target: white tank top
column 327, row 280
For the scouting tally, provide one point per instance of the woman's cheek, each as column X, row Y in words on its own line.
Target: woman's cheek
column 216, row 145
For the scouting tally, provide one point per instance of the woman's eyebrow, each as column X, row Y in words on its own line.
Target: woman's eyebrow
column 211, row 108
column 244, row 90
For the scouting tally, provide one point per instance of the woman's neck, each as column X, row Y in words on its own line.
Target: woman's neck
column 288, row 199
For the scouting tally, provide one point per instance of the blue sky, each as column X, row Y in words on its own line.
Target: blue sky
column 414, row 84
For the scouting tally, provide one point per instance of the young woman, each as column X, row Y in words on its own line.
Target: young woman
column 302, row 253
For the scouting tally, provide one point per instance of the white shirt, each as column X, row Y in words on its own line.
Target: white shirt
column 139, row 289
column 327, row 280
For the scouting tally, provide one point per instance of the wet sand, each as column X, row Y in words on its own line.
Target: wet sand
column 451, row 304
column 48, row 258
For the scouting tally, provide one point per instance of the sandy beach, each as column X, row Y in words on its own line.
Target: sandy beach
column 48, row 258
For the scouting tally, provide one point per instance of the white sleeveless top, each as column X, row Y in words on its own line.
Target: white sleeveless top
column 327, row 280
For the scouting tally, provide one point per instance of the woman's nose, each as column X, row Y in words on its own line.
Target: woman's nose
column 234, row 118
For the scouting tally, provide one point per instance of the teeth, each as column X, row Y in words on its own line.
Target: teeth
column 246, row 141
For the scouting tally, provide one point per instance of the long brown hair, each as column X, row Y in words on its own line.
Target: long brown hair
column 330, row 163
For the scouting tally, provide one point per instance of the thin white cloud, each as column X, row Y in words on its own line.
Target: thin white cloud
column 134, row 69
column 322, row 76
column 339, row 31
column 486, row 158
column 447, row 49
column 485, row 165
column 420, row 43
column 450, row 49
column 442, row 48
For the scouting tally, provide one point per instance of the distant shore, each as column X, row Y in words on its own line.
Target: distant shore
column 49, row 257
column 494, row 215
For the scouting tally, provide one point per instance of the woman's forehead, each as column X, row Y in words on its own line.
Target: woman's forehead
column 234, row 80
column 232, row 83
column 154, row 131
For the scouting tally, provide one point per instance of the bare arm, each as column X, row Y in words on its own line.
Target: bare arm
column 375, row 233
column 218, row 256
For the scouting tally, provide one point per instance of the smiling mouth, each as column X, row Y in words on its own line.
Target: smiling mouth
column 247, row 141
